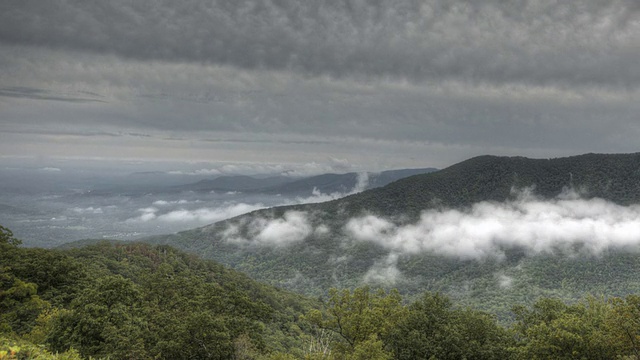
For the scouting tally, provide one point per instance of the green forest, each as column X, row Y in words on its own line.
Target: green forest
column 139, row 301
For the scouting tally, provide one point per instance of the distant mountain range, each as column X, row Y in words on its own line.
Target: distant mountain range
column 309, row 248
column 234, row 183
column 325, row 183
column 140, row 184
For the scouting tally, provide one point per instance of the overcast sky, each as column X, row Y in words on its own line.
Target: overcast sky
column 370, row 83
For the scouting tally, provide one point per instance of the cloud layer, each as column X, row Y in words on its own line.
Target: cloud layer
column 542, row 42
column 488, row 229
column 381, row 83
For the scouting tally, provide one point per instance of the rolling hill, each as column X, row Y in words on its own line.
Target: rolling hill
column 393, row 236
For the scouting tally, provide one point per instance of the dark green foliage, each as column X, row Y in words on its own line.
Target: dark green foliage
column 7, row 239
column 105, row 320
column 137, row 301
column 435, row 329
column 362, row 321
column 19, row 303
column 57, row 276
column 552, row 329
column 11, row 348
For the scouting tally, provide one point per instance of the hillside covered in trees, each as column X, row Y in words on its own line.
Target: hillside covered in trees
column 472, row 231
column 614, row 177
column 136, row 301
column 140, row 302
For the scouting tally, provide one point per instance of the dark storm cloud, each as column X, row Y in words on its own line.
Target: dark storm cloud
column 592, row 43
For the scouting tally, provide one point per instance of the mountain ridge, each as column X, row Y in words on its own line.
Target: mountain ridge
column 345, row 242
column 324, row 183
column 493, row 178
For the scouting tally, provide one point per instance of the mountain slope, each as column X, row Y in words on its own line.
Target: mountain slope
column 234, row 183
column 383, row 236
column 122, row 301
column 491, row 178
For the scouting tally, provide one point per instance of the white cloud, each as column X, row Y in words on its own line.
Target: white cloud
column 384, row 272
column 294, row 226
column 504, row 281
column 361, row 184
column 174, row 202
column 317, row 196
column 368, row 228
column 199, row 216
column 88, row 210
column 321, row 230
column 537, row 226
column 147, row 214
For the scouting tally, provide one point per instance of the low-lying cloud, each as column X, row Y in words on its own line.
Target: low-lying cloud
column 173, row 202
column 88, row 210
column 200, row 216
column 293, row 227
column 567, row 224
column 384, row 271
column 332, row 165
column 317, row 196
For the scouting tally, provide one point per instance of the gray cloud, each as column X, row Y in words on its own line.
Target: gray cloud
column 380, row 83
column 88, row 210
column 41, row 94
column 539, row 42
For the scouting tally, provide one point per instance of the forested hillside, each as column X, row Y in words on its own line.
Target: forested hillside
column 136, row 301
column 494, row 212
column 615, row 177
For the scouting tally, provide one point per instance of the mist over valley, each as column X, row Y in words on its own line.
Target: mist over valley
column 48, row 204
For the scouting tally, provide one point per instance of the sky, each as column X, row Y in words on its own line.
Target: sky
column 367, row 84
